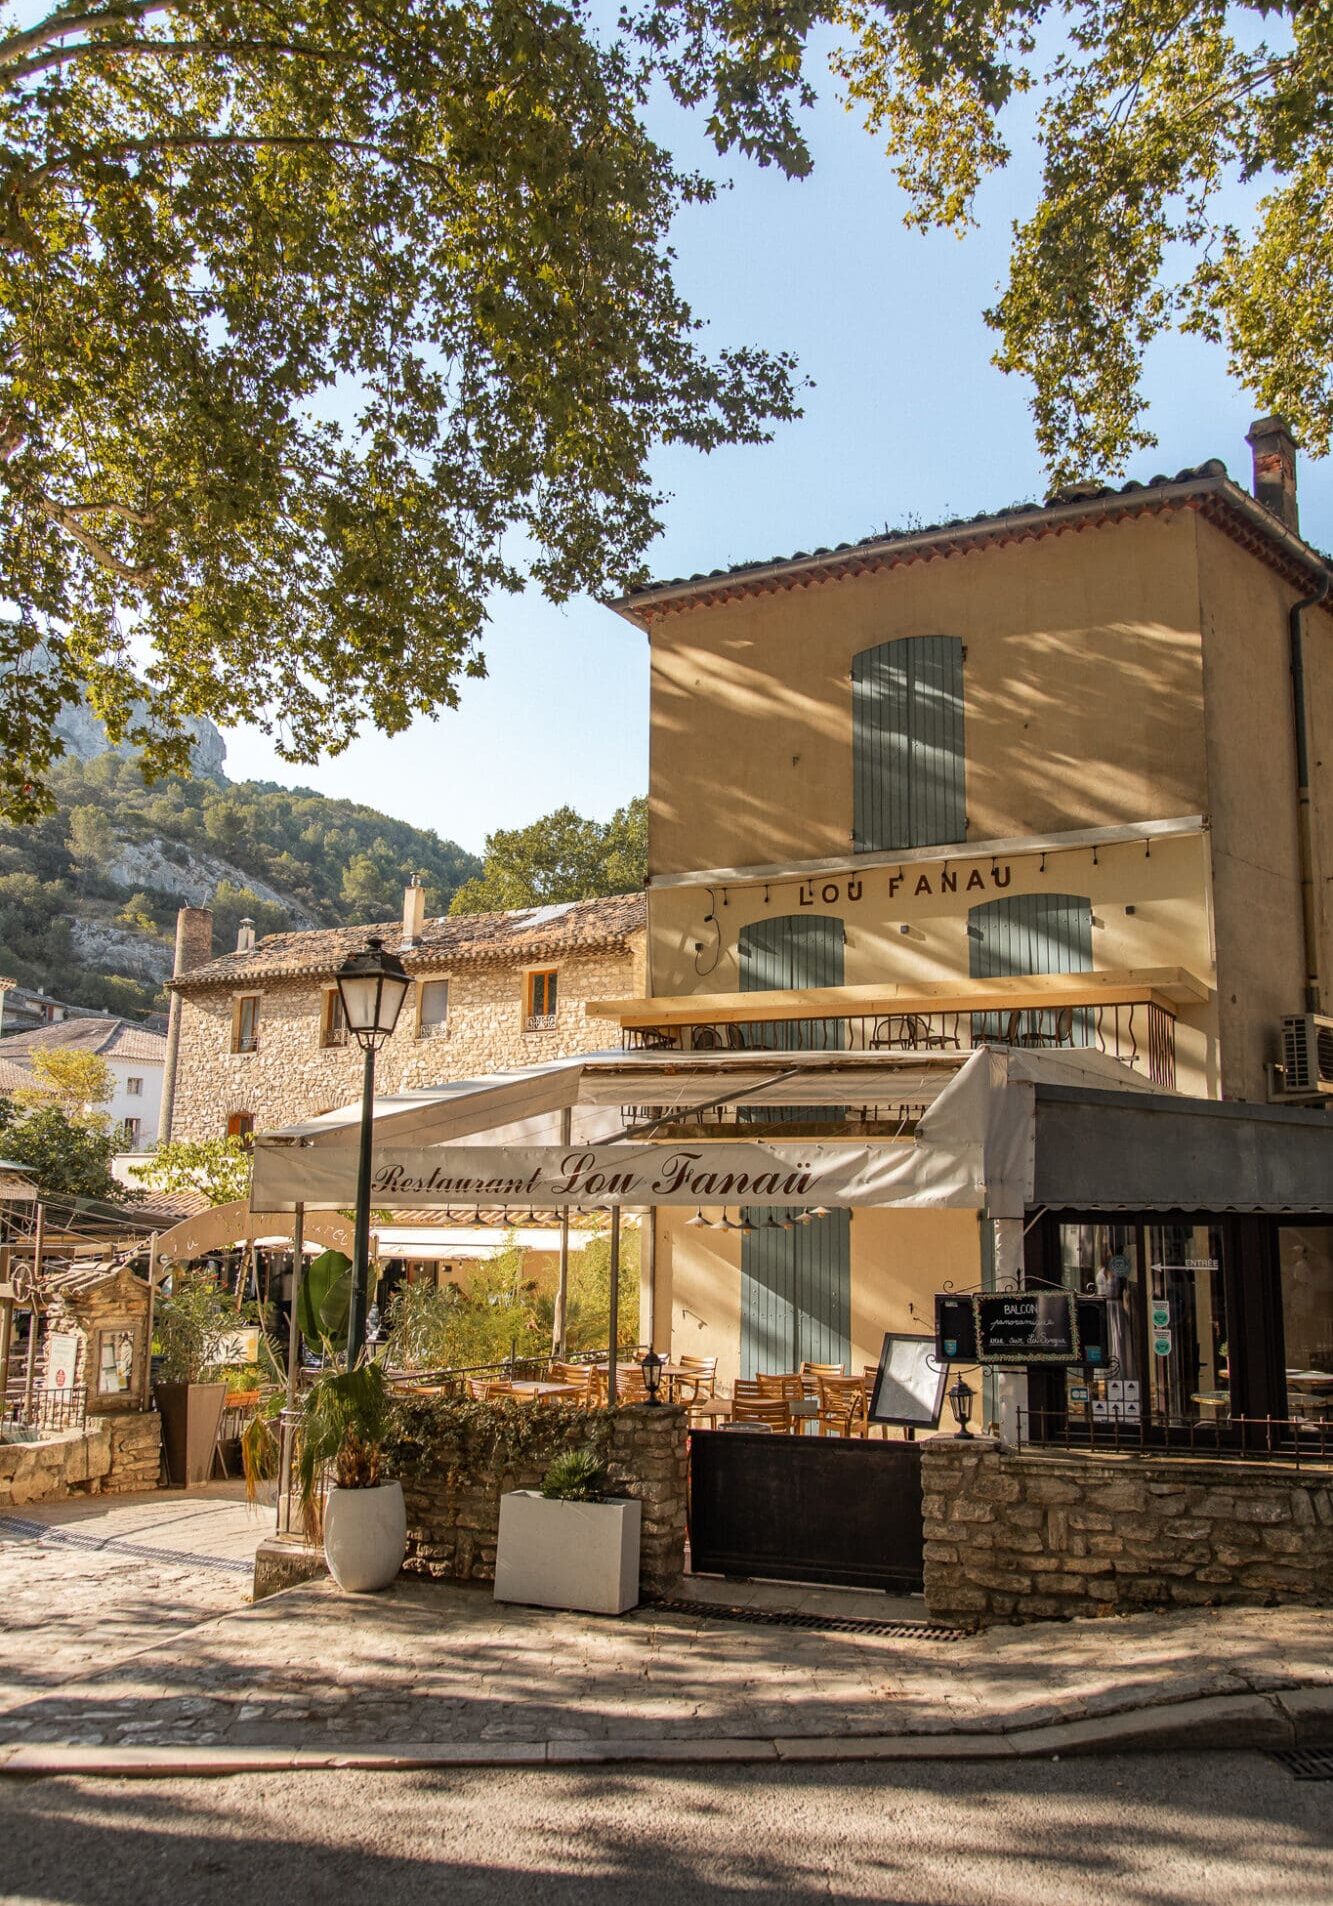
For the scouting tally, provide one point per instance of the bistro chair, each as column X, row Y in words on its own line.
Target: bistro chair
column 787, row 1385
column 486, row 1389
column 770, row 1411
column 841, row 1406
column 811, row 1373
column 1060, row 1034
column 695, row 1382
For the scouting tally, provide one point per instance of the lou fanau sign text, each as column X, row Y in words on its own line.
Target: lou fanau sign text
column 584, row 1176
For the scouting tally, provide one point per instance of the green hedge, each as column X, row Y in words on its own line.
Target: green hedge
column 461, row 1442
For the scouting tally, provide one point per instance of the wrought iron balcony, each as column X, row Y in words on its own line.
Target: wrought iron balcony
column 1129, row 1016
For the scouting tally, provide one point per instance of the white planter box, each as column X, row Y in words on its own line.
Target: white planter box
column 568, row 1554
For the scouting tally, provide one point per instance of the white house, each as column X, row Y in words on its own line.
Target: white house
column 134, row 1056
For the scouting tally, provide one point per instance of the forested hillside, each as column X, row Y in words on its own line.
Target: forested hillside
column 89, row 894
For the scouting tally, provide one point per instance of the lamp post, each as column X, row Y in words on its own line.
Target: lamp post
column 372, row 985
column 652, row 1376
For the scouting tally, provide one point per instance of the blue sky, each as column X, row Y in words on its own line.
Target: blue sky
column 907, row 420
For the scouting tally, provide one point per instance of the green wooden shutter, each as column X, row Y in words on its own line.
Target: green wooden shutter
column 908, row 764
column 1029, row 933
column 795, row 1291
column 793, row 950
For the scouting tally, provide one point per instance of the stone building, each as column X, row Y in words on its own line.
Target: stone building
column 257, row 1038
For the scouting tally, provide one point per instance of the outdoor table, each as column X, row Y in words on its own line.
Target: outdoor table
column 539, row 1392
column 802, row 1409
column 713, row 1406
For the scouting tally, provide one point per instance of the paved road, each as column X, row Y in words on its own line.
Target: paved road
column 1114, row 1831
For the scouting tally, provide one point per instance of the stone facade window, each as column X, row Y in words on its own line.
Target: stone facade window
column 433, row 1009
column 333, row 1020
column 245, row 1023
column 240, row 1124
column 540, row 1004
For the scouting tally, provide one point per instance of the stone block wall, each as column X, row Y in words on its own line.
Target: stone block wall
column 1025, row 1535
column 455, row 1460
column 293, row 1076
column 111, row 1455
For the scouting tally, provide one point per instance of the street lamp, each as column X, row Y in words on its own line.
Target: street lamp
column 372, row 985
column 652, row 1376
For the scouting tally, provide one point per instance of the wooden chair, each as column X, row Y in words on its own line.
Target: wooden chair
column 486, row 1389
column 746, row 1386
column 770, row 1411
column 811, row 1373
column 630, row 1386
column 841, row 1406
column 868, row 1375
column 696, row 1380
column 787, row 1385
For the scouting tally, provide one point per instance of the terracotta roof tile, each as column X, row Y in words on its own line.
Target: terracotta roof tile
column 112, row 1038
column 1078, row 506
column 523, row 933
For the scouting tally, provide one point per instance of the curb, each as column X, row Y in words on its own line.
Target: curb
column 1294, row 1717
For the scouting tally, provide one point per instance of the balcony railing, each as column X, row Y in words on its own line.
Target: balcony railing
column 1140, row 1033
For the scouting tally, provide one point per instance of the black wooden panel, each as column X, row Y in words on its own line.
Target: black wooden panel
column 806, row 1508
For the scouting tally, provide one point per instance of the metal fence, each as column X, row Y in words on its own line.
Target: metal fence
column 1282, row 1439
column 1140, row 1033
column 45, row 1410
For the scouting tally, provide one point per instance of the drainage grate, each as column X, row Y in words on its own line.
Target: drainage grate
column 72, row 1539
column 1307, row 1763
column 824, row 1624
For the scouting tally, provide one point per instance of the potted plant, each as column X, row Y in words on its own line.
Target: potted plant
column 569, row 1544
column 192, row 1328
column 345, row 1422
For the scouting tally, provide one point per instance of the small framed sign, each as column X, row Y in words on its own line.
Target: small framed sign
column 1027, row 1327
column 909, row 1383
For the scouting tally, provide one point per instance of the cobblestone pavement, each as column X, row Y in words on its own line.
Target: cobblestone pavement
column 145, row 1640
column 87, row 1582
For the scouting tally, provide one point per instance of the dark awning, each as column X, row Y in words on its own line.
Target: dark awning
column 1111, row 1151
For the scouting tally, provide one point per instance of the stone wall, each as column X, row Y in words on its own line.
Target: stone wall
column 293, row 1076
column 111, row 1455
column 1025, row 1535
column 455, row 1461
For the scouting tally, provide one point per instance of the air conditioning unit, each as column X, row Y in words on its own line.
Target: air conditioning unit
column 1305, row 1070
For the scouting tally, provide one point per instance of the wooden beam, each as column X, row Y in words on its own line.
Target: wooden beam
column 1164, row 986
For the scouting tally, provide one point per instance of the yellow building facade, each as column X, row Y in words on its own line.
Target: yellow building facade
column 1031, row 779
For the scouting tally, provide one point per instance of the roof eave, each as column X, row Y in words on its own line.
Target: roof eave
column 639, row 606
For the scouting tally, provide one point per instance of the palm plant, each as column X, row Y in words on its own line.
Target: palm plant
column 345, row 1421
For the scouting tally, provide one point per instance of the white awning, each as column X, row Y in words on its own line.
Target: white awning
column 972, row 1144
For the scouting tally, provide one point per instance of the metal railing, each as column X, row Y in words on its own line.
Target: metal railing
column 1141, row 1034
column 46, row 1410
column 1283, row 1439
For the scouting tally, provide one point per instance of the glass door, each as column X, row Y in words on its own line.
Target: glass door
column 1188, row 1365
column 1106, row 1260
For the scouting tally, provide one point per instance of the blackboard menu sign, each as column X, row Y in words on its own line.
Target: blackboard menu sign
column 1026, row 1327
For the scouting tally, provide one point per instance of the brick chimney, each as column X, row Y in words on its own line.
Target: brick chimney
column 245, row 936
column 414, row 910
column 194, row 947
column 1274, row 450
